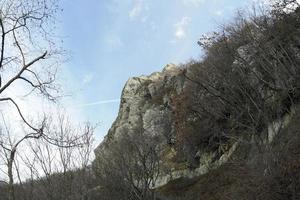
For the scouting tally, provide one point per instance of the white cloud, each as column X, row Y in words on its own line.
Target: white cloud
column 87, row 78
column 218, row 12
column 137, row 9
column 181, row 28
column 193, row 2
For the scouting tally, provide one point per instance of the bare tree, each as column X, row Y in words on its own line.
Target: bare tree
column 129, row 168
column 28, row 58
column 60, row 166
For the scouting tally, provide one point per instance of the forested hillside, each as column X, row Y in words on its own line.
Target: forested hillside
column 222, row 127
column 225, row 126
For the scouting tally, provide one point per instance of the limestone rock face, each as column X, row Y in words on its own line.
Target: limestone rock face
column 145, row 106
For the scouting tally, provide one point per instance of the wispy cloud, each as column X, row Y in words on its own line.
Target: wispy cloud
column 136, row 10
column 87, row 78
column 100, row 102
column 139, row 7
column 193, row 2
column 218, row 13
column 181, row 28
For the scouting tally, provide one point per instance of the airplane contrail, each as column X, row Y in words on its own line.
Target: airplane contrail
column 100, row 102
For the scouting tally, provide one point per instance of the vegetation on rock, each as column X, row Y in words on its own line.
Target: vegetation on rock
column 222, row 127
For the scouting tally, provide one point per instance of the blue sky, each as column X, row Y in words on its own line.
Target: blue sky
column 112, row 40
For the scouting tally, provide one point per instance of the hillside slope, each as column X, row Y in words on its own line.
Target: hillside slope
column 272, row 172
column 224, row 127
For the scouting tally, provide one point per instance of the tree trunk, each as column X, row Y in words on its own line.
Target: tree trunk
column 11, row 189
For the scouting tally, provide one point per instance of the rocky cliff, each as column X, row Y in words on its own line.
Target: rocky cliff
column 224, row 127
column 148, row 104
column 145, row 105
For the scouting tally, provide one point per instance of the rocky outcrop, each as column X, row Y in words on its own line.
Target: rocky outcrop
column 147, row 105
column 226, row 112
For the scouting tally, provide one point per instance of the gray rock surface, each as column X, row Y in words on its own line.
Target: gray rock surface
column 146, row 105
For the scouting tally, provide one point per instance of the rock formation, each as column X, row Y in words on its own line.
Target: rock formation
column 147, row 105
